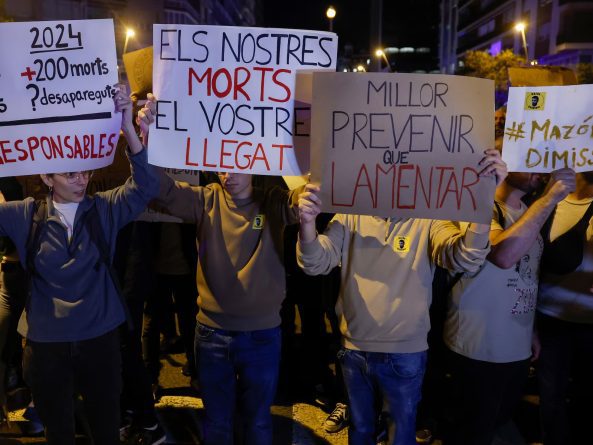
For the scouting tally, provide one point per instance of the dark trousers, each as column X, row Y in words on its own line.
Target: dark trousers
column 567, row 352
column 488, row 394
column 183, row 290
column 13, row 294
column 136, row 277
column 59, row 371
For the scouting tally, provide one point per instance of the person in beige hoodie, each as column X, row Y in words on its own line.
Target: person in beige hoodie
column 241, row 286
column 386, row 280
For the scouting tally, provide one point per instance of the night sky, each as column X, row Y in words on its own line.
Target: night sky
column 405, row 23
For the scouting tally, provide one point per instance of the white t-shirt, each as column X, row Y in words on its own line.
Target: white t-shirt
column 490, row 314
column 67, row 212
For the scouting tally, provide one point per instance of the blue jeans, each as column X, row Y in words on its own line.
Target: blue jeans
column 376, row 379
column 237, row 368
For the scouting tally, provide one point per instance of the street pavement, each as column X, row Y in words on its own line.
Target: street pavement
column 297, row 423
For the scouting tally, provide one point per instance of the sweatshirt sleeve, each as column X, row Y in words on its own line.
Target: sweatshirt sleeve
column 129, row 200
column 287, row 204
column 179, row 199
column 324, row 253
column 456, row 248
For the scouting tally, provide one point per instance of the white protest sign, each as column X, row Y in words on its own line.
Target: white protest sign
column 405, row 145
column 548, row 128
column 56, row 90
column 227, row 97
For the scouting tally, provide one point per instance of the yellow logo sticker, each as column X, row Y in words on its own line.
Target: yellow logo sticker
column 535, row 101
column 258, row 222
column 401, row 244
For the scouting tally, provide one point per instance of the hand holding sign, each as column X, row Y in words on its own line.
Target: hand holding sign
column 493, row 165
column 146, row 116
column 309, row 208
column 561, row 183
column 309, row 204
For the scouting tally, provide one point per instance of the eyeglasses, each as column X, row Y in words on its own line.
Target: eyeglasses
column 73, row 177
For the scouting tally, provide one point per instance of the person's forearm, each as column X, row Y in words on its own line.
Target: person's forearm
column 511, row 244
column 307, row 231
column 479, row 227
column 134, row 143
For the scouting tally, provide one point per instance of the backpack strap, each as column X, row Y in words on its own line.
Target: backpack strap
column 97, row 235
column 33, row 241
column 499, row 215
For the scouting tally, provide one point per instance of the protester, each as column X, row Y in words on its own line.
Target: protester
column 133, row 258
column 384, row 299
column 241, row 285
column 12, row 293
column 73, row 310
column 489, row 322
column 565, row 319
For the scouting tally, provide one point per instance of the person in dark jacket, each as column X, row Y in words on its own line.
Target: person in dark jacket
column 74, row 309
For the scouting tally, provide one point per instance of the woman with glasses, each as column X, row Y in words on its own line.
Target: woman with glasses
column 73, row 308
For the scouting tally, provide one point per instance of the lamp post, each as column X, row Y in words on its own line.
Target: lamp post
column 520, row 27
column 381, row 53
column 129, row 33
column 330, row 13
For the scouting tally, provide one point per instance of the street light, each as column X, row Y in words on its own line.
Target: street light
column 520, row 27
column 129, row 33
column 330, row 13
column 361, row 68
column 381, row 53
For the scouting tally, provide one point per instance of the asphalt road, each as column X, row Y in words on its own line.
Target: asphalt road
column 179, row 409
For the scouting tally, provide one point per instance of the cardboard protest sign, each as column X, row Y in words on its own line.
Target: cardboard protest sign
column 405, row 145
column 548, row 128
column 138, row 66
column 527, row 76
column 227, row 97
column 56, row 90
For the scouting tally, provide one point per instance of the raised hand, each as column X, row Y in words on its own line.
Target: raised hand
column 493, row 165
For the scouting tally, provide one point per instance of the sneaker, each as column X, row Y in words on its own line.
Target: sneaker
column 338, row 419
column 149, row 436
column 382, row 437
column 424, row 436
column 321, row 396
column 34, row 425
column 125, row 430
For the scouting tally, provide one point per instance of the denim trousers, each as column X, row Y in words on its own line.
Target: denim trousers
column 389, row 380
column 59, row 371
column 237, row 370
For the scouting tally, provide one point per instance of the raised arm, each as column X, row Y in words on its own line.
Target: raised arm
column 510, row 244
column 124, row 104
column 458, row 248
column 129, row 200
